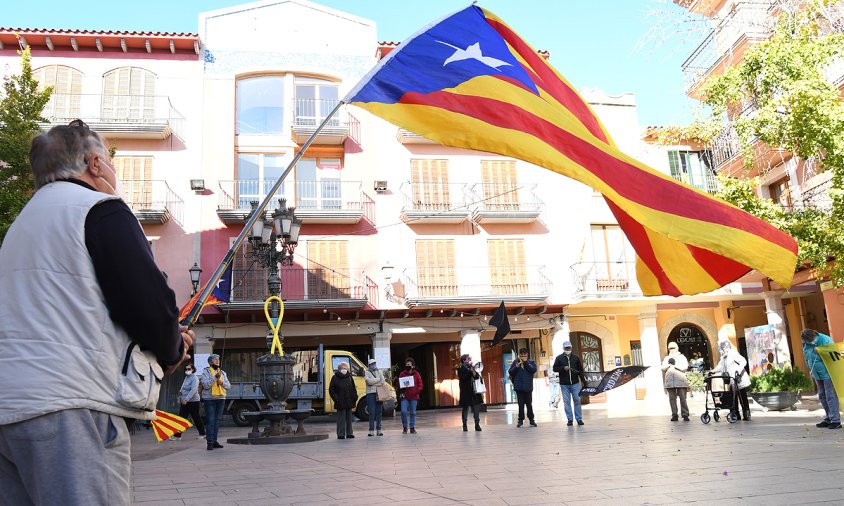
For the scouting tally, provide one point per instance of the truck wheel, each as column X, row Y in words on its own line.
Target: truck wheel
column 238, row 411
column 362, row 411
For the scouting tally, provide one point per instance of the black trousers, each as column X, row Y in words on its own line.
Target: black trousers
column 476, row 408
column 525, row 398
column 192, row 409
column 745, row 405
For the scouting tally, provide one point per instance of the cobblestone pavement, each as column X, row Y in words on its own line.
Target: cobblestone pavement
column 778, row 458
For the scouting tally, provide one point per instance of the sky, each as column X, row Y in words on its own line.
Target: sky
column 593, row 43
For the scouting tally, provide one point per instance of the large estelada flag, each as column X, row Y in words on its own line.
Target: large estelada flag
column 614, row 379
column 470, row 81
column 221, row 294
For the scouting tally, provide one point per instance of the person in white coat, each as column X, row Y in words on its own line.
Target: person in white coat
column 732, row 364
column 675, row 365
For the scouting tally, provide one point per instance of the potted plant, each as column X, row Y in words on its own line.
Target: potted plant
column 779, row 387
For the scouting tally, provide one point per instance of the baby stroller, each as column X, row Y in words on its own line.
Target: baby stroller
column 723, row 395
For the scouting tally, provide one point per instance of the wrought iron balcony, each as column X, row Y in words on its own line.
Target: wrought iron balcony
column 437, row 286
column 117, row 116
column 327, row 201
column 435, row 202
column 303, row 288
column 308, row 113
column 605, row 280
column 748, row 21
column 152, row 201
column 505, row 203
column 817, row 196
column 706, row 183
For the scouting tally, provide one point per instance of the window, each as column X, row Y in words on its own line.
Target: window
column 256, row 175
column 249, row 277
column 315, row 99
column 429, row 179
column 328, row 270
column 353, row 366
column 128, row 94
column 589, row 348
column 692, row 168
column 613, row 258
column 435, row 268
column 508, row 274
column 135, row 172
column 500, row 187
column 780, row 192
column 67, row 91
column 318, row 183
column 260, row 105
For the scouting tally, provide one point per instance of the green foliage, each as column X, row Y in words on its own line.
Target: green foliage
column 696, row 383
column 20, row 113
column 781, row 379
column 819, row 234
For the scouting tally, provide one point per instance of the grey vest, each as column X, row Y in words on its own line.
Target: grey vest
column 58, row 347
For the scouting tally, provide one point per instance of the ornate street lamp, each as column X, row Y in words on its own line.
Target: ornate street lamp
column 273, row 242
column 195, row 272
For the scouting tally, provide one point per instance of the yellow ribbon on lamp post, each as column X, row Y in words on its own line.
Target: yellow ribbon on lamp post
column 275, row 324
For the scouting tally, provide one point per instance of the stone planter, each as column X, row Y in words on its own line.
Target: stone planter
column 777, row 401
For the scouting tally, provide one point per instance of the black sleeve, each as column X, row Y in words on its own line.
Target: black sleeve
column 558, row 365
column 135, row 291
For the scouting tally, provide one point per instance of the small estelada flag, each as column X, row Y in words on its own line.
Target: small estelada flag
column 221, row 294
column 167, row 424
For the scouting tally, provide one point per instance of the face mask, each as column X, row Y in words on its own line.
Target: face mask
column 408, row 367
column 116, row 190
column 373, row 366
column 188, row 372
column 567, row 352
column 215, row 366
column 343, row 371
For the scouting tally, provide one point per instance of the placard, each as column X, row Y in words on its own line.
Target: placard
column 406, row 382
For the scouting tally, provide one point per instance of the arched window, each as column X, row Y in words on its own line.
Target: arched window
column 588, row 346
column 260, row 105
column 128, row 94
column 67, row 91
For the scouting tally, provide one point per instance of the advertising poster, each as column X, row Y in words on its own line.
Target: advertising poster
column 760, row 348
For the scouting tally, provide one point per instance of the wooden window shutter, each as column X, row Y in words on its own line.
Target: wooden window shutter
column 328, row 270
column 136, row 174
column 508, row 273
column 429, row 180
column 249, row 278
column 500, row 185
column 435, row 268
column 67, row 88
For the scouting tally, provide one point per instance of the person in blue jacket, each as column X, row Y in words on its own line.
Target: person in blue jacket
column 826, row 391
column 521, row 374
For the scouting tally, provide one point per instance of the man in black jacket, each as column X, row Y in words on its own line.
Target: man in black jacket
column 521, row 374
column 570, row 369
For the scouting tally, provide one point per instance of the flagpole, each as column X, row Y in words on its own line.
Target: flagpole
column 191, row 318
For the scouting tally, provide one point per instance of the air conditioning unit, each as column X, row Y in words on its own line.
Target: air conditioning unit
column 380, row 186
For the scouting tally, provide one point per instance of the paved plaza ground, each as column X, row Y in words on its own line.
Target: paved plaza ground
column 778, row 458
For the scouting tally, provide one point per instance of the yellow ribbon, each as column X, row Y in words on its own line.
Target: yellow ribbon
column 275, row 327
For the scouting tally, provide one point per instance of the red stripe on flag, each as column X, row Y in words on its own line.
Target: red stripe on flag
column 645, row 188
column 638, row 237
column 161, row 435
column 550, row 81
column 172, row 420
column 722, row 269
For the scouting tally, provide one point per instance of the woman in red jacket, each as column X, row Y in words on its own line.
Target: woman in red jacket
column 409, row 394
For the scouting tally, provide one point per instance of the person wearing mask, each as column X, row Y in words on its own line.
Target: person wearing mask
column 344, row 395
column 410, row 395
column 467, row 375
column 521, row 375
column 189, row 401
column 570, row 369
column 826, row 390
column 732, row 364
column 73, row 267
column 214, row 383
column 674, row 365
column 374, row 378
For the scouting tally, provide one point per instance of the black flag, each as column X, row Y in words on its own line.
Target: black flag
column 501, row 323
column 614, row 379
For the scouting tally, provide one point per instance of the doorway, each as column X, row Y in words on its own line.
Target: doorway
column 692, row 342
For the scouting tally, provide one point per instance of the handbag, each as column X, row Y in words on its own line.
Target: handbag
column 381, row 393
column 478, row 386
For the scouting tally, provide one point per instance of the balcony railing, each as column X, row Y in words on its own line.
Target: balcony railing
column 443, row 285
column 308, row 113
column 435, row 201
column 152, row 201
column 605, row 279
column 131, row 116
column 505, row 202
column 326, row 201
column 749, row 19
column 705, row 181
column 305, row 287
column 818, row 197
